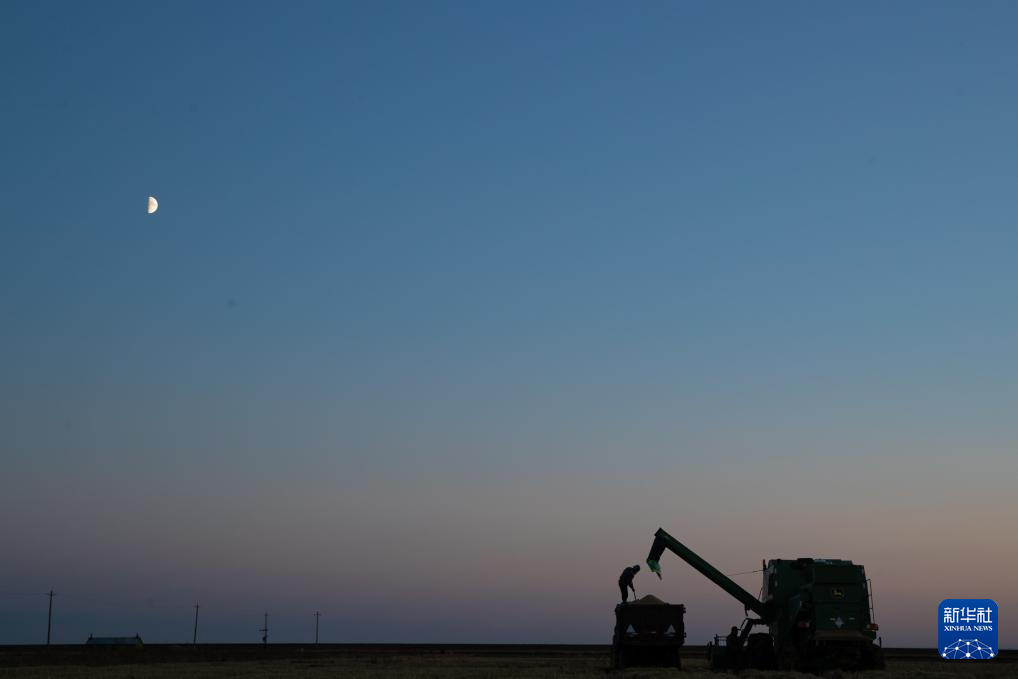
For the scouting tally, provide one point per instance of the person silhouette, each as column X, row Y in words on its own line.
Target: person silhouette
column 733, row 638
column 626, row 582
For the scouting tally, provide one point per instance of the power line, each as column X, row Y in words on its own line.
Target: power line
column 24, row 593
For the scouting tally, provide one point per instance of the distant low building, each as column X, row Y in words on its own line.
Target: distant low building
column 114, row 641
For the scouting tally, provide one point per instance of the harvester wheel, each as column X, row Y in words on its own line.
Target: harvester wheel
column 873, row 658
column 788, row 659
column 759, row 652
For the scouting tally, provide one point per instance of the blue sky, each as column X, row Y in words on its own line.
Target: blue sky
column 444, row 296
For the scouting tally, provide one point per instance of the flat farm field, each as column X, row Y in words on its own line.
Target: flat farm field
column 420, row 662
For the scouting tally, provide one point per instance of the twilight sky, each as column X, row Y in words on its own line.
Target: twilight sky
column 449, row 305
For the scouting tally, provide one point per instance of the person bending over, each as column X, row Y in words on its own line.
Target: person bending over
column 626, row 582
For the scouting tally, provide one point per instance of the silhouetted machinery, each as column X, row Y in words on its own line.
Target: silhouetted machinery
column 819, row 614
column 648, row 632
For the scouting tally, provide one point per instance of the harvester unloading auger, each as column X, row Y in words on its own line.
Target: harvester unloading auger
column 819, row 613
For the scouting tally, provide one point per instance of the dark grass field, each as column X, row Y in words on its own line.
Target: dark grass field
column 419, row 662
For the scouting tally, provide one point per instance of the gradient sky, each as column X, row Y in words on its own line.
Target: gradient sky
column 449, row 305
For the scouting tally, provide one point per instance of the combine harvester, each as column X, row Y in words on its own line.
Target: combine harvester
column 819, row 613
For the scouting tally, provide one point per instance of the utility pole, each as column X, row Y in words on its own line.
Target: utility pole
column 49, row 618
column 194, row 641
column 265, row 630
column 317, row 615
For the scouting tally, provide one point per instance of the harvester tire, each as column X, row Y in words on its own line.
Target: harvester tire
column 873, row 658
column 759, row 652
column 788, row 659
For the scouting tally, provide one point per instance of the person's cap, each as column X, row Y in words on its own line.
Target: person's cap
column 636, row 567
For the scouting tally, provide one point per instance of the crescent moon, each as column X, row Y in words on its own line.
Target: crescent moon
column 153, row 204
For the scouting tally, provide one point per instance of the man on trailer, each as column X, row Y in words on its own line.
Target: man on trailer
column 626, row 582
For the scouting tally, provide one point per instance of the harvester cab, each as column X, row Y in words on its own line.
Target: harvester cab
column 818, row 612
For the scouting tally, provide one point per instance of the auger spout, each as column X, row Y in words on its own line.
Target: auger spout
column 662, row 541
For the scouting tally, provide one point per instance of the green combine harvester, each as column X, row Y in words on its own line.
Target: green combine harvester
column 819, row 614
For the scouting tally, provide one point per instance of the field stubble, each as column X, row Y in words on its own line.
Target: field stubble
column 464, row 664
